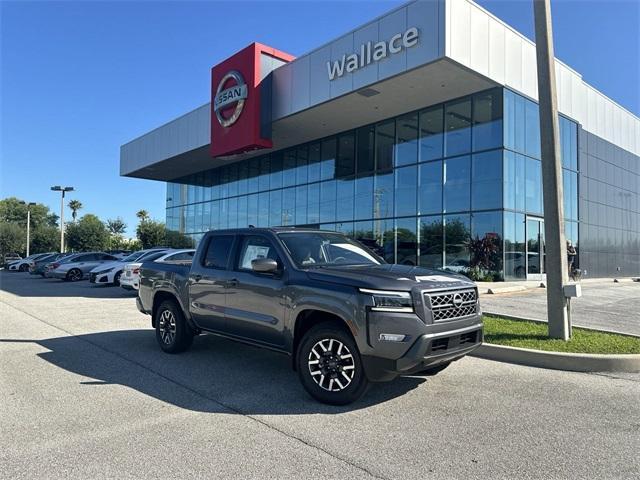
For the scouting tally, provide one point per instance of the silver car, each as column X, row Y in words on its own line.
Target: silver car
column 79, row 266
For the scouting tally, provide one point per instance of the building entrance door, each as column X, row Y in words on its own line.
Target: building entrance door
column 536, row 258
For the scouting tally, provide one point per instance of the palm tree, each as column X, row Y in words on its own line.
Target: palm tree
column 143, row 215
column 75, row 205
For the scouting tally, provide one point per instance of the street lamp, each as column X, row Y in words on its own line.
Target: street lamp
column 29, row 205
column 58, row 188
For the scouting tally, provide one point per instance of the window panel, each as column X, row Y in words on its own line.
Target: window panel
column 314, row 162
column 406, row 241
column 218, row 252
column 313, row 203
column 383, row 194
column 533, row 186
column 276, row 170
column 345, row 197
column 430, row 188
column 214, row 222
column 514, row 246
column 328, row 159
column 252, row 210
column 457, row 188
column 289, row 206
column 346, row 162
column 265, row 173
column 486, row 190
column 431, row 133
column 457, row 236
column 486, row 245
column 224, row 182
column 224, row 213
column 431, row 242
column 407, row 139
column 232, row 213
column 263, row 209
column 532, row 125
column 243, row 173
column 458, row 127
column 364, row 197
column 385, row 140
column 384, row 234
column 366, row 155
column 275, row 208
column 487, row 120
column 406, row 191
column 302, row 159
column 233, row 180
column 301, row 205
column 328, row 201
column 514, row 181
column 206, row 217
column 243, row 217
column 289, row 168
column 254, row 175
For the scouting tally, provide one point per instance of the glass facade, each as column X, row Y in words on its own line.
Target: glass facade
column 448, row 186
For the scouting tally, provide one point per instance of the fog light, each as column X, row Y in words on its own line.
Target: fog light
column 392, row 337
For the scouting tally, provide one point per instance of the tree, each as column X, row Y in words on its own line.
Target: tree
column 150, row 233
column 45, row 238
column 143, row 215
column 13, row 211
column 89, row 233
column 12, row 239
column 75, row 205
column 116, row 226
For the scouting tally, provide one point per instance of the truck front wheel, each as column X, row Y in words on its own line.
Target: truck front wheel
column 329, row 365
column 172, row 331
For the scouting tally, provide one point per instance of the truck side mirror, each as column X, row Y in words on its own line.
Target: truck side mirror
column 264, row 265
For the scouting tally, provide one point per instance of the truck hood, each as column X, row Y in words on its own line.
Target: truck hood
column 388, row 277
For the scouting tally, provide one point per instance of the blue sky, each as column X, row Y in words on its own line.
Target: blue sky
column 79, row 79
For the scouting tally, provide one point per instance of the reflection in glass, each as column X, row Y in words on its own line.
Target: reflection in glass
column 289, row 168
column 533, row 185
column 364, row 197
column 275, row 208
column 486, row 190
column 301, row 205
column 431, row 241
column 514, row 251
column 263, row 210
column 345, row 198
column 431, row 133
column 276, row 170
column 383, row 195
column 366, row 157
column 288, row 206
column 514, row 181
column 405, row 190
column 457, row 127
column 265, row 172
column 457, row 235
column 314, row 162
column 407, row 139
column 430, row 188
column 485, row 247
column 385, row 140
column 313, row 205
column 457, row 186
column 302, row 157
column 345, row 164
column 328, row 201
column 406, row 241
column 487, row 120
column 328, row 159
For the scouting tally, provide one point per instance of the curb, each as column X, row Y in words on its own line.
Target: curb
column 493, row 291
column 573, row 362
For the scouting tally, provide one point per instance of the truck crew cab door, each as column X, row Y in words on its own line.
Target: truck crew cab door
column 207, row 283
column 255, row 301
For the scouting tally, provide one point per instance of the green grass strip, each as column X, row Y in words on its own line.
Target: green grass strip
column 523, row 334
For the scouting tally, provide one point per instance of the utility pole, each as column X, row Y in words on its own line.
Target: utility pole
column 63, row 190
column 29, row 205
column 557, row 275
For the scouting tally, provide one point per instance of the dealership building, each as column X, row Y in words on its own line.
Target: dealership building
column 417, row 133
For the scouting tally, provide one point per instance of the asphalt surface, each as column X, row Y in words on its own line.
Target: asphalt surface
column 86, row 393
column 606, row 305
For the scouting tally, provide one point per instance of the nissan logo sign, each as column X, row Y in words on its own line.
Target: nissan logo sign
column 457, row 300
column 225, row 97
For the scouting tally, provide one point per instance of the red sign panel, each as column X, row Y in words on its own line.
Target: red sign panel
column 236, row 99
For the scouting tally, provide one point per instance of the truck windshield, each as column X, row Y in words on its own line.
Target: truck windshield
column 310, row 249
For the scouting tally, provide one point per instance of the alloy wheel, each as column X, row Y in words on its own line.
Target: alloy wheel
column 331, row 365
column 167, row 327
column 75, row 275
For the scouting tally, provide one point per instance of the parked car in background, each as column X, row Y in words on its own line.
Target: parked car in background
column 182, row 257
column 10, row 257
column 130, row 279
column 39, row 266
column 121, row 254
column 24, row 264
column 110, row 273
column 77, row 267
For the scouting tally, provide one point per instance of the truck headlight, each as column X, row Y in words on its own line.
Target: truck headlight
column 389, row 301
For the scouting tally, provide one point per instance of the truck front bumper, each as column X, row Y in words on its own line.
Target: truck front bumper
column 428, row 350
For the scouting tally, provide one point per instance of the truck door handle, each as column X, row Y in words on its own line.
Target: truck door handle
column 197, row 278
column 232, row 283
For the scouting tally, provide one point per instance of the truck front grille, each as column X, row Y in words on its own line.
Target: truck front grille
column 447, row 306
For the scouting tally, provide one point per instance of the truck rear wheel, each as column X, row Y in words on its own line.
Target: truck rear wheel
column 329, row 365
column 172, row 332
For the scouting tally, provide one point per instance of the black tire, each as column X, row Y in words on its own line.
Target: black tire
column 337, row 369
column 74, row 275
column 430, row 372
column 173, row 334
column 116, row 279
column 24, row 267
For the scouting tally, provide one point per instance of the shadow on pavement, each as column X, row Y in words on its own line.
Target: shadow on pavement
column 216, row 374
column 26, row 285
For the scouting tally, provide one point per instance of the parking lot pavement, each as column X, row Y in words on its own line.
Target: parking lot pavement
column 86, row 393
column 608, row 305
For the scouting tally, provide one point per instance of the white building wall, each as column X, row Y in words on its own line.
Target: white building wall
column 478, row 40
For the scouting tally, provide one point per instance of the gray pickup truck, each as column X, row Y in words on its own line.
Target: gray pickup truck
column 344, row 316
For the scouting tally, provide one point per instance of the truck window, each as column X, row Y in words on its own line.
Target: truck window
column 255, row 246
column 218, row 252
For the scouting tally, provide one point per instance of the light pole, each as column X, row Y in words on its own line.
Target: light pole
column 58, row 188
column 29, row 205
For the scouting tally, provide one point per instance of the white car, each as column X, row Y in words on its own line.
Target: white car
column 130, row 279
column 24, row 264
column 110, row 273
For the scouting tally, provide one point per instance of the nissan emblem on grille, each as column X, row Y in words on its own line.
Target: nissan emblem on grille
column 451, row 305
